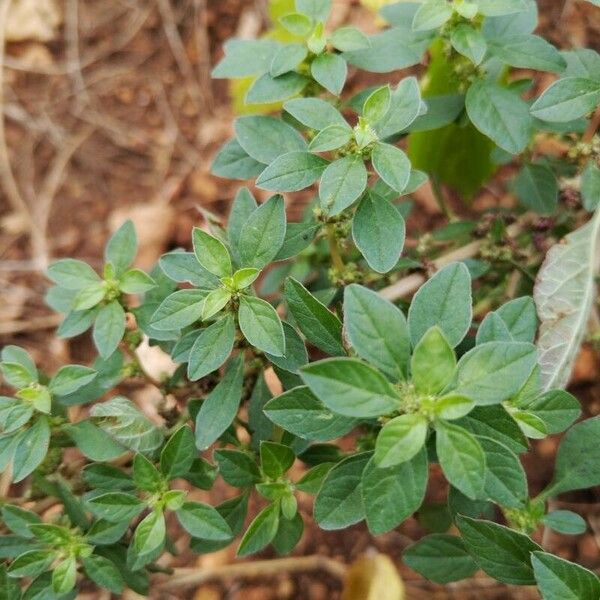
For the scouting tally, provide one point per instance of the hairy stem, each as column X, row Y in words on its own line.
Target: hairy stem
column 334, row 249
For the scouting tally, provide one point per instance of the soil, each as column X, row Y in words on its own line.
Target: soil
column 116, row 118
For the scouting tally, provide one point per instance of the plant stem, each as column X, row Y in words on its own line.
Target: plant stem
column 334, row 249
column 438, row 193
column 592, row 127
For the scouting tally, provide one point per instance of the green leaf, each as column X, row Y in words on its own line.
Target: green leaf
column 93, row 442
column 350, row 387
column 115, row 507
column 17, row 375
column 462, row 458
column 590, row 186
column 64, row 575
column 469, row 42
column 89, row 297
column 339, row 502
column 330, row 70
column 377, row 105
column 203, row 521
column 567, row 99
column 244, row 204
column 212, row 348
column 320, row 326
column 527, row 51
column 520, row 318
column 103, row 573
column 445, row 301
column 237, row 468
column 295, row 351
column 400, row 440
column 72, row 274
column 405, row 107
column 392, row 165
column 275, row 459
column 331, row 138
column 245, row 58
column 232, row 162
column 495, row 8
column 559, row 579
column 301, row 413
column 109, row 328
column 377, row 330
column 493, row 372
column 261, row 531
column 148, row 540
column 298, row 236
column 347, row 39
column 502, row 553
column 267, row 89
column 297, row 24
column 263, row 233
column 571, row 472
column 431, row 15
column 378, row 230
column 292, row 172
column 314, row 113
column 177, row 455
column 70, row 378
column 317, row 9
column 392, row 495
column 500, row 114
column 215, row 302
column 13, row 414
column 179, row 309
column 18, row 520
column 557, row 409
column 31, row 563
column 121, row 248
column 211, row 253
column 136, row 281
column 31, row 449
column 433, row 363
column 122, row 420
column 266, row 138
column 287, row 59
column 289, row 533
column 441, row 558
column 220, row 407
column 342, row 183
column 565, row 521
column 145, row 475
column 505, row 480
column 537, row 188
column 18, row 356
column 261, row 325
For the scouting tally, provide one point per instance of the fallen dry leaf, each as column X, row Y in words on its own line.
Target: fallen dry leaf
column 33, row 20
column 373, row 577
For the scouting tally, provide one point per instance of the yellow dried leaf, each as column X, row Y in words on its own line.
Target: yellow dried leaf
column 373, row 577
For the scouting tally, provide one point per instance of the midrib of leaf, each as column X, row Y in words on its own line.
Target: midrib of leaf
column 557, row 377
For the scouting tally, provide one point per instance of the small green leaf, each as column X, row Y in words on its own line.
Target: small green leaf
column 431, row 15
column 103, row 573
column 261, row 325
column 331, row 138
column 136, row 281
column 342, row 183
column 31, row 449
column 31, row 563
column 565, row 521
column 567, row 99
column 292, row 172
column 64, row 575
column 72, row 274
column 537, row 188
column 237, row 468
column 211, row 253
column 350, row 387
column 121, row 248
column 203, row 521
column 330, row 70
column 115, row 506
column 70, row 378
column 433, row 363
column 215, row 302
column 377, row 105
column 212, row 348
column 275, row 459
column 400, row 440
column 177, row 455
column 347, row 39
column 261, row 531
column 469, row 42
column 314, row 113
column 392, row 165
column 109, row 328
column 179, row 309
column 145, row 475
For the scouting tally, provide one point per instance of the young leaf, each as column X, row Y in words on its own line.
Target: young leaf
column 339, row 502
column 346, row 39
column 148, row 540
column 469, row 42
column 537, row 188
column 261, row 325
column 433, row 363
column 145, row 475
column 330, row 70
column 31, row 563
column 232, row 162
column 261, row 532
column 203, row 521
column 31, row 449
column 431, row 15
column 215, row 302
column 103, row 573
column 567, row 99
column 220, row 406
column 275, row 459
column 212, row 348
column 342, row 183
column 331, row 138
column 237, row 468
column 405, row 107
column 556, row 408
column 70, row 378
column 400, row 440
column 211, row 253
column 178, row 453
column 493, row 372
column 377, row 104
column 320, row 326
column 392, row 165
column 121, row 248
column 565, row 521
column 445, row 301
column 378, row 230
column 301, row 413
column 350, row 387
column 72, row 274
column 179, row 309
column 115, row 506
column 392, row 495
column 564, row 296
column 266, row 138
column 500, row 114
column 314, row 113
column 292, row 172
column 441, row 558
column 559, row 579
column 64, row 575
column 267, row 89
column 263, row 233
column 377, row 330
column 109, row 328
column 502, row 553
column 316, row 9
column 462, row 458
